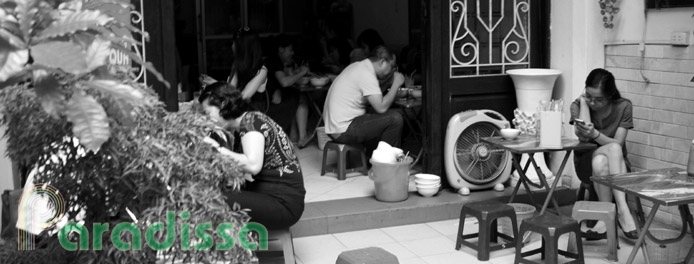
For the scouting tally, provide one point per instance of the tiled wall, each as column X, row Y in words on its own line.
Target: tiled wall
column 663, row 107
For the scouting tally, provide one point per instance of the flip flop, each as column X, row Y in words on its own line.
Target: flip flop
column 591, row 235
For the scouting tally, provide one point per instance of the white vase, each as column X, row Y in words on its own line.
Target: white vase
column 532, row 86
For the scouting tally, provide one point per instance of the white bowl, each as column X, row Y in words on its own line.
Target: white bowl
column 428, row 191
column 510, row 133
column 426, row 183
column 436, row 186
column 416, row 93
column 426, row 177
column 319, row 81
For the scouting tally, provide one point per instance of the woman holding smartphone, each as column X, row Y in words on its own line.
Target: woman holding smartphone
column 602, row 116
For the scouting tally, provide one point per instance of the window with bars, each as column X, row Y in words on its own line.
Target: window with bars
column 488, row 37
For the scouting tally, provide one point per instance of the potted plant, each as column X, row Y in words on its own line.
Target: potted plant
column 102, row 139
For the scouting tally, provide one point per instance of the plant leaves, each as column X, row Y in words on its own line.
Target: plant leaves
column 148, row 65
column 48, row 92
column 77, row 21
column 89, row 121
column 124, row 112
column 116, row 89
column 25, row 13
column 15, row 41
column 97, row 53
column 11, row 60
column 60, row 54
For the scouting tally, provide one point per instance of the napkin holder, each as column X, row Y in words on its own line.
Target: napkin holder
column 550, row 129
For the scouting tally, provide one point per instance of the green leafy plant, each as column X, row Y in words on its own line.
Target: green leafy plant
column 61, row 47
column 608, row 9
column 102, row 139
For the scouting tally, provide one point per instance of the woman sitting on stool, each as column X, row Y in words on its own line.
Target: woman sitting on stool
column 607, row 119
column 275, row 191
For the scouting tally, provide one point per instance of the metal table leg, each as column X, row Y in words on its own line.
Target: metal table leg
column 320, row 118
column 684, row 210
column 521, row 179
column 642, row 235
column 554, row 184
column 417, row 132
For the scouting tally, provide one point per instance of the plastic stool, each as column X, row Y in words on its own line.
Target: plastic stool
column 603, row 211
column 285, row 237
column 370, row 255
column 486, row 212
column 551, row 227
column 342, row 154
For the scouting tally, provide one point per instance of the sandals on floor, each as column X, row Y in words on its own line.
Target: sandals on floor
column 591, row 235
column 633, row 234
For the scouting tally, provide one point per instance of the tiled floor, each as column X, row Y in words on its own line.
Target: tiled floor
column 432, row 243
column 327, row 187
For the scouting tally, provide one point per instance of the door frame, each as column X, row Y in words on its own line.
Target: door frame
column 437, row 98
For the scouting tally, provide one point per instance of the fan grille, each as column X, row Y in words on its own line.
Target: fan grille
column 478, row 162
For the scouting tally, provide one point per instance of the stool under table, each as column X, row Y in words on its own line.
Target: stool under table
column 487, row 213
column 602, row 211
column 343, row 154
column 551, row 227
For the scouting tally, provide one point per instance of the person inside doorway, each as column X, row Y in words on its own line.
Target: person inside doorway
column 355, row 89
column 248, row 72
column 288, row 106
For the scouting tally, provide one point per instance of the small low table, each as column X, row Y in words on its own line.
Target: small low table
column 530, row 145
column 667, row 187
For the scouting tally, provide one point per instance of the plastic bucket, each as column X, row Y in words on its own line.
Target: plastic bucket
column 523, row 211
column 391, row 180
column 668, row 253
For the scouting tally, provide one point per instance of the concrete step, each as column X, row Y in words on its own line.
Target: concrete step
column 354, row 214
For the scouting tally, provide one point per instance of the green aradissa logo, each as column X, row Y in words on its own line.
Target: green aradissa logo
column 201, row 231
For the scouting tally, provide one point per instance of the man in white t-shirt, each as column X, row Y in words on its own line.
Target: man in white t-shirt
column 356, row 88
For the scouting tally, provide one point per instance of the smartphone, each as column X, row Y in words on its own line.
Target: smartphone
column 579, row 121
column 220, row 140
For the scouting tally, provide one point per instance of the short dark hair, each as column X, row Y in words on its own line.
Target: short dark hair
column 227, row 98
column 283, row 41
column 603, row 80
column 370, row 38
column 381, row 53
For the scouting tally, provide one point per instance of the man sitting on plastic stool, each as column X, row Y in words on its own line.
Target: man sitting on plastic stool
column 356, row 88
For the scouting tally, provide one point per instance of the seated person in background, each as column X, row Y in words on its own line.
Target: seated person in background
column 607, row 119
column 367, row 41
column 287, row 104
column 275, row 193
column 336, row 48
column 248, row 72
column 338, row 55
column 346, row 120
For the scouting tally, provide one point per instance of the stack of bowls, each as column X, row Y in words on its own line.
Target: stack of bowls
column 427, row 184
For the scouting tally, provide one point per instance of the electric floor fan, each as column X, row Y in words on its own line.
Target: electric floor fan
column 470, row 162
